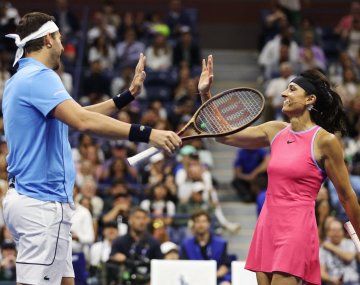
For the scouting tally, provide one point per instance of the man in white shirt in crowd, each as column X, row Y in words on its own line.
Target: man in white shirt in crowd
column 338, row 257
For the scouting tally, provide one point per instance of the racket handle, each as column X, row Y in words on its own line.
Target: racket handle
column 350, row 229
column 146, row 154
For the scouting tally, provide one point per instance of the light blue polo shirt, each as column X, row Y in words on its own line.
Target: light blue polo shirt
column 39, row 149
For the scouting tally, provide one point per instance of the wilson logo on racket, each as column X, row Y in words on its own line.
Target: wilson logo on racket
column 222, row 115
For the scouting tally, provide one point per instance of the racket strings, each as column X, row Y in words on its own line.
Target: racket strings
column 229, row 112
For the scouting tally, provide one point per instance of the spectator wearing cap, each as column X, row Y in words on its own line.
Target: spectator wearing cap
column 191, row 171
column 179, row 229
column 204, row 245
column 186, row 51
column 170, row 250
column 7, row 263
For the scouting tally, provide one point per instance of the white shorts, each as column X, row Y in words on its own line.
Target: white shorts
column 41, row 231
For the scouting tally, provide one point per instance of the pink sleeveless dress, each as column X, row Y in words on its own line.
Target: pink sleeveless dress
column 286, row 236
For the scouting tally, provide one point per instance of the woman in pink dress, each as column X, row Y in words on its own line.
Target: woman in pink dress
column 285, row 246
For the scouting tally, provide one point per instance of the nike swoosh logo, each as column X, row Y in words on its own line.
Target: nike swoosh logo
column 288, row 142
column 46, row 278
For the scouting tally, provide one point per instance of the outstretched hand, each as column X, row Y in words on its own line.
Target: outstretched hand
column 139, row 77
column 206, row 78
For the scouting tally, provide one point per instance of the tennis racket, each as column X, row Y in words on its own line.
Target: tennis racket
column 221, row 115
column 350, row 229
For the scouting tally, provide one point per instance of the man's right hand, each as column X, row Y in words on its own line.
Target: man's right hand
column 167, row 140
column 206, row 79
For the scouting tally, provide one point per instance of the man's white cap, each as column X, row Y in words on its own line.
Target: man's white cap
column 198, row 187
column 48, row 28
column 168, row 246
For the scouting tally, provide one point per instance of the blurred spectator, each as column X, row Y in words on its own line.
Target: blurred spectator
column 345, row 24
column 195, row 202
column 336, row 69
column 141, row 26
column 136, row 248
column 100, row 251
column 276, row 86
column 292, row 8
column 129, row 49
column 186, row 51
column 101, row 27
column 311, row 56
column 96, row 84
column 159, row 54
column 322, row 211
column 170, row 250
column 280, row 49
column 272, row 20
column 69, row 58
column 352, row 40
column 159, row 205
column 126, row 24
column 9, row 18
column 65, row 19
column 4, row 76
column 335, row 202
column 82, row 228
column 7, row 263
column 248, row 165
column 349, row 88
column 176, row 17
column 66, row 78
column 338, row 257
column 189, row 172
column 88, row 190
column 307, row 26
column 103, row 51
column 117, row 207
column 111, row 17
column 206, row 246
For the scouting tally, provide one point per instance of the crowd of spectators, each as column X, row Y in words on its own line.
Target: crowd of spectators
column 125, row 216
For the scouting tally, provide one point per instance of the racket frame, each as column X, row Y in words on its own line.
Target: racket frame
column 193, row 118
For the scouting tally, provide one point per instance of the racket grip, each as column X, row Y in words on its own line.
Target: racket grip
column 143, row 155
column 350, row 229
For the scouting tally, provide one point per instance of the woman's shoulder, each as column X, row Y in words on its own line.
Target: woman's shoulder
column 327, row 142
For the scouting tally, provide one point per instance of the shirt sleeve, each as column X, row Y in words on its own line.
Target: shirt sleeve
column 47, row 91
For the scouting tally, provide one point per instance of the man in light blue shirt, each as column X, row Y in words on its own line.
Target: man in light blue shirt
column 37, row 109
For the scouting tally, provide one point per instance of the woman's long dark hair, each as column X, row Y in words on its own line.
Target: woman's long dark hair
column 328, row 111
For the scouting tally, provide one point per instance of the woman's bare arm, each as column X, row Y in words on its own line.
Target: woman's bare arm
column 254, row 137
column 333, row 157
